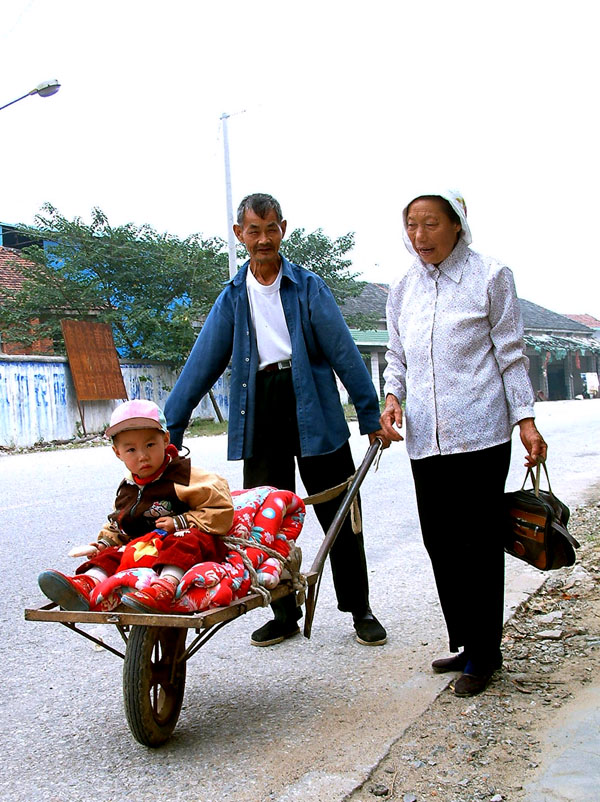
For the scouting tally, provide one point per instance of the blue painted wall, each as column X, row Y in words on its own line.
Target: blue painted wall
column 38, row 402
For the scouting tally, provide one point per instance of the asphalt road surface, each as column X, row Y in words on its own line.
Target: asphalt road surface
column 304, row 720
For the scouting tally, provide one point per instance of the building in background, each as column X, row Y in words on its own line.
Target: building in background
column 13, row 268
column 372, row 343
column 588, row 320
column 564, row 353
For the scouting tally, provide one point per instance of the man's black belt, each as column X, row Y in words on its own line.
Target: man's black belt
column 284, row 365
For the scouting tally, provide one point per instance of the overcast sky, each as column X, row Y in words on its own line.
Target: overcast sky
column 342, row 110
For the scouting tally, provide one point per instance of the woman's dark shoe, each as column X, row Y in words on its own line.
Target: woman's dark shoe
column 475, row 680
column 455, row 663
column 274, row 632
column 369, row 631
column 472, row 684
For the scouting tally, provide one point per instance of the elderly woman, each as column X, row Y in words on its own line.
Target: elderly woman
column 456, row 358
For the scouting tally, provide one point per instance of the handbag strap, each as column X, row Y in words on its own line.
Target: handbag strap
column 535, row 480
column 558, row 527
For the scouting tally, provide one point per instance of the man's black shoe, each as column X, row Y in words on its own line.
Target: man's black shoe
column 455, row 663
column 369, row 631
column 274, row 632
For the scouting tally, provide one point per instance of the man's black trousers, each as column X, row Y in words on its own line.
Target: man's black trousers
column 276, row 450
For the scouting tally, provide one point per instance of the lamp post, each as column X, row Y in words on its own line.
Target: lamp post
column 230, row 237
column 43, row 90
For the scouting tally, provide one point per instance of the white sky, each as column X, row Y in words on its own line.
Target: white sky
column 348, row 108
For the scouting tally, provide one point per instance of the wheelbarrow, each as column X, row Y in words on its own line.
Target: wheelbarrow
column 155, row 654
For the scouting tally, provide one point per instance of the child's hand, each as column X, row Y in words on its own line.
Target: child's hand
column 90, row 550
column 166, row 523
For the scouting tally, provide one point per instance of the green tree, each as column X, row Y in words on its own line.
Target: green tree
column 152, row 288
column 329, row 259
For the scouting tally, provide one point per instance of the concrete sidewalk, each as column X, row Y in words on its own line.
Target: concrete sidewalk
column 570, row 765
column 534, row 735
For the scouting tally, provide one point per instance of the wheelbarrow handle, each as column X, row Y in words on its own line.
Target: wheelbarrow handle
column 334, row 529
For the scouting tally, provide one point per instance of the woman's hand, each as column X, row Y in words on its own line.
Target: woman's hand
column 390, row 417
column 533, row 441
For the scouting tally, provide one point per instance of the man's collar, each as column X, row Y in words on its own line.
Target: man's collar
column 286, row 269
column 240, row 276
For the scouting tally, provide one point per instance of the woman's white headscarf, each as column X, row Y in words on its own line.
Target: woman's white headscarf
column 456, row 200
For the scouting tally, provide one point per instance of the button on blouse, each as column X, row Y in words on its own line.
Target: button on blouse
column 456, row 354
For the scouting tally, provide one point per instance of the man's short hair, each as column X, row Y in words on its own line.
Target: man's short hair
column 260, row 204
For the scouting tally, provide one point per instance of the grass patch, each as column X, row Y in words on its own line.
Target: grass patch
column 206, row 428
column 350, row 412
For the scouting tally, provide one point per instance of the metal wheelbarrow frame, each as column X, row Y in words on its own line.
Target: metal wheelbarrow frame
column 156, row 655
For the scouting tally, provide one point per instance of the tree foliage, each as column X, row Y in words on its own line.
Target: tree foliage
column 153, row 289
column 329, row 259
column 150, row 287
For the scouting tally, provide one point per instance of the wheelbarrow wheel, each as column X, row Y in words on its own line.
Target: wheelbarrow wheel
column 154, row 682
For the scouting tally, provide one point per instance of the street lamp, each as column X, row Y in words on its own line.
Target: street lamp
column 43, row 90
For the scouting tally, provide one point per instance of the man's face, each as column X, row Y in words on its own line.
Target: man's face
column 142, row 450
column 262, row 236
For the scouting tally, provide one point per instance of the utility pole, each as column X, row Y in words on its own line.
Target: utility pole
column 230, row 235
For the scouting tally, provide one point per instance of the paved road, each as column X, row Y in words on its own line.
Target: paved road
column 302, row 721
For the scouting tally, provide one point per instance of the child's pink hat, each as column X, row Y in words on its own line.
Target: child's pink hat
column 138, row 414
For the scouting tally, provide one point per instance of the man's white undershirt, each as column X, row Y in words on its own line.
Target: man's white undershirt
column 272, row 335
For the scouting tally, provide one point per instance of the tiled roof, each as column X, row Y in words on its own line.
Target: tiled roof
column 587, row 320
column 11, row 277
column 371, row 300
column 537, row 318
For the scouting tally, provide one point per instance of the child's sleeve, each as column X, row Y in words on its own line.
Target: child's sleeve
column 111, row 537
column 209, row 501
column 110, row 534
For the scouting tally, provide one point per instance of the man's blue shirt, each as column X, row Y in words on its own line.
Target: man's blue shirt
column 321, row 344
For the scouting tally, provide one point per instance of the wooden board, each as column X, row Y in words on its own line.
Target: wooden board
column 200, row 620
column 93, row 360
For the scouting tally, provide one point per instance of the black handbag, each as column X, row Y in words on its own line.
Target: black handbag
column 536, row 529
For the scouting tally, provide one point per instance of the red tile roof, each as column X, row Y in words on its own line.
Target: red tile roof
column 11, row 277
column 587, row 320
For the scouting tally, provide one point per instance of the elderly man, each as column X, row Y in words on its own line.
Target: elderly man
column 283, row 331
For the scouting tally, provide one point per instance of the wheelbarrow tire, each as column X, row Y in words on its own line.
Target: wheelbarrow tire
column 154, row 682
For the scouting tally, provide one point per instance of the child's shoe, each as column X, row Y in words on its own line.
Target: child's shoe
column 157, row 598
column 107, row 594
column 70, row 592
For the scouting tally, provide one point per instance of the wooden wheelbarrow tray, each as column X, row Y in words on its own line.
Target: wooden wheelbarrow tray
column 156, row 655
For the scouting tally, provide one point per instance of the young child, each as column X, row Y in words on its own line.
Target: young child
column 162, row 491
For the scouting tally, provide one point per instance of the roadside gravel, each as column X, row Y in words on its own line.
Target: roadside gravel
column 491, row 747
